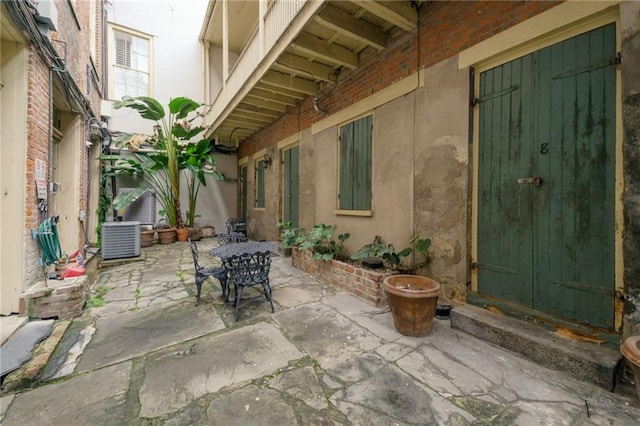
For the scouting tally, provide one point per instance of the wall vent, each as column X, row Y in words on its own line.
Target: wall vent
column 142, row 210
column 120, row 239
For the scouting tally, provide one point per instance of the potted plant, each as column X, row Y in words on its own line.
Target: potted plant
column 197, row 163
column 412, row 298
column 168, row 153
column 290, row 237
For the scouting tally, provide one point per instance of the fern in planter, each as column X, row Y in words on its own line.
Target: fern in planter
column 397, row 260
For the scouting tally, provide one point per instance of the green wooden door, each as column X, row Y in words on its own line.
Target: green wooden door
column 290, row 185
column 546, row 179
column 242, row 205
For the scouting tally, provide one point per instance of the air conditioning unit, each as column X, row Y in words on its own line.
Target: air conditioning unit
column 120, row 239
column 142, row 210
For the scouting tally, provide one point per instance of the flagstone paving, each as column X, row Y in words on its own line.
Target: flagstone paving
column 148, row 356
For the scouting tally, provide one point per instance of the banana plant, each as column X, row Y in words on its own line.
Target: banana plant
column 161, row 167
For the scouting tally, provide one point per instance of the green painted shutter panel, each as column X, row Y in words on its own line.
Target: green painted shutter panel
column 294, row 204
column 260, row 198
column 355, row 164
column 576, row 207
column 550, row 114
column 362, row 164
column 243, row 191
column 291, row 186
column 504, row 206
column 346, row 164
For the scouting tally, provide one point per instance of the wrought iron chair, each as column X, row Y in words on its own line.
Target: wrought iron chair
column 249, row 269
column 202, row 273
column 231, row 237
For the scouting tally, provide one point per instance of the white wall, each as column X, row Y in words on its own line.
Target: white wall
column 178, row 70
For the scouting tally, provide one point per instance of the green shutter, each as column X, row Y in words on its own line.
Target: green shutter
column 355, row 164
column 346, row 167
column 260, row 198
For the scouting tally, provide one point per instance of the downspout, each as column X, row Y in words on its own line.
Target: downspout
column 44, row 211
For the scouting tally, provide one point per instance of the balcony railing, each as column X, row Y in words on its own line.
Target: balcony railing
column 277, row 19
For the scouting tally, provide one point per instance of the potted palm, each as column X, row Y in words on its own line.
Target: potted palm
column 197, row 163
column 159, row 159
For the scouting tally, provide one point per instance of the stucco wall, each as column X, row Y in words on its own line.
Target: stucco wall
column 177, row 71
column 442, row 167
column 630, row 35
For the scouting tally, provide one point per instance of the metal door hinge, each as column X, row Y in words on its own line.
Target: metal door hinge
column 617, row 60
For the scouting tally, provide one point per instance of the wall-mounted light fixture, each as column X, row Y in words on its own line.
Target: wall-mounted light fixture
column 267, row 161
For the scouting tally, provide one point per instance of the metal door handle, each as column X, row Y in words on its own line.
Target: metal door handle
column 535, row 181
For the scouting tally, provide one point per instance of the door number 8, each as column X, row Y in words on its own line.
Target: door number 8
column 544, row 148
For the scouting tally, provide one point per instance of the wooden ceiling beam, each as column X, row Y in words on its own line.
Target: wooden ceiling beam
column 292, row 83
column 298, row 65
column 399, row 13
column 314, row 47
column 338, row 20
column 273, row 97
column 271, row 106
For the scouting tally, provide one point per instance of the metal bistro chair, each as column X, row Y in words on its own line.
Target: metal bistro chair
column 203, row 273
column 249, row 269
column 231, row 237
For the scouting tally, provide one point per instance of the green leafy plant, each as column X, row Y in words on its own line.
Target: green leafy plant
column 290, row 236
column 171, row 152
column 323, row 245
column 97, row 299
column 197, row 163
column 404, row 260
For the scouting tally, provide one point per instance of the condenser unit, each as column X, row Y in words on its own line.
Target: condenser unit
column 120, row 239
column 142, row 210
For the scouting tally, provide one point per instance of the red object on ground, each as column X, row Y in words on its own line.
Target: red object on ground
column 73, row 271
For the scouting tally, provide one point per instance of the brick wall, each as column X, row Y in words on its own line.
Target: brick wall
column 72, row 41
column 363, row 283
column 37, row 148
column 446, row 28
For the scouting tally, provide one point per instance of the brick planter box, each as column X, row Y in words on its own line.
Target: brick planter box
column 363, row 283
column 62, row 299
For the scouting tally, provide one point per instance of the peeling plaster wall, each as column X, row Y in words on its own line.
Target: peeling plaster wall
column 442, row 166
column 630, row 35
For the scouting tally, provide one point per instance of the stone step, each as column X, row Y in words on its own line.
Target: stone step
column 17, row 350
column 583, row 360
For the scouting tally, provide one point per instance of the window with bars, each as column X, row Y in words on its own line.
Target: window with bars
column 355, row 164
column 131, row 64
column 260, row 196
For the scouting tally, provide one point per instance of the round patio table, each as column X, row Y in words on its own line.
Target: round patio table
column 234, row 249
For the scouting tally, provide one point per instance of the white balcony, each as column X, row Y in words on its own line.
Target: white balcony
column 265, row 56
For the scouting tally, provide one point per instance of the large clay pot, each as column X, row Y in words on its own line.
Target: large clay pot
column 631, row 351
column 183, row 234
column 146, row 237
column 167, row 235
column 195, row 234
column 413, row 300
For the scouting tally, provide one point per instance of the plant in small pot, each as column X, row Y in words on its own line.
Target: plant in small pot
column 412, row 298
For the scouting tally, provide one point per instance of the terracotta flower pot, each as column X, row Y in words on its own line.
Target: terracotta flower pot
column 167, row 235
column 630, row 348
column 183, row 234
column 146, row 237
column 195, row 234
column 413, row 300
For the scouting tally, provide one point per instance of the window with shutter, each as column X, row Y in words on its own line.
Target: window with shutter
column 260, row 197
column 355, row 165
column 131, row 64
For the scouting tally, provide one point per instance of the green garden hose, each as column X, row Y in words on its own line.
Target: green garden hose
column 49, row 241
